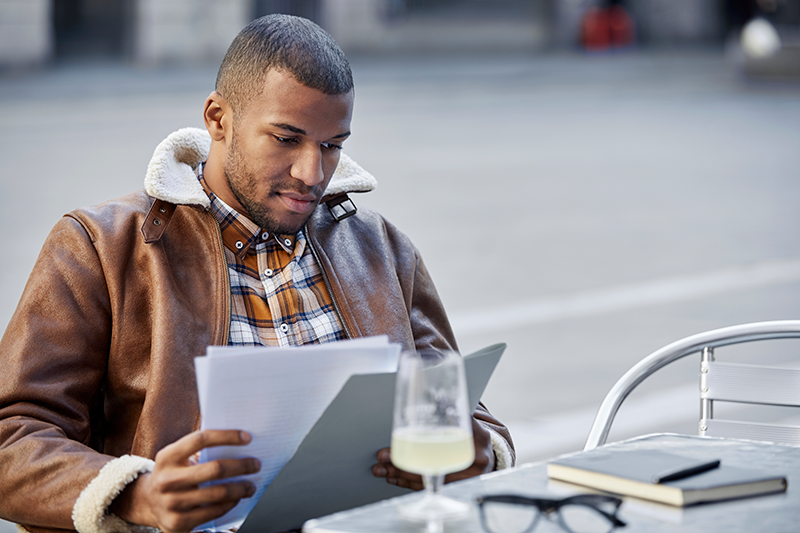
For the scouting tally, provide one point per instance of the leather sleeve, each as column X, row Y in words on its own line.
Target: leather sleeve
column 54, row 351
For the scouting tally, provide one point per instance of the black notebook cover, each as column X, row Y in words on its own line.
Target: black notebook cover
column 631, row 473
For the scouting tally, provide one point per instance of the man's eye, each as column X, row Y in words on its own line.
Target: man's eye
column 286, row 140
column 331, row 146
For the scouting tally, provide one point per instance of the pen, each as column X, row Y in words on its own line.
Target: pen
column 680, row 473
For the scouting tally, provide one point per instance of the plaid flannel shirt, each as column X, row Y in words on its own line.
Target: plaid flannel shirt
column 278, row 295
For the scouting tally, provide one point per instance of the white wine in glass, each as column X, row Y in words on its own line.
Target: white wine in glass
column 432, row 431
column 432, row 452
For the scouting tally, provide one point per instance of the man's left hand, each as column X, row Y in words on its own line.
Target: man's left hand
column 484, row 462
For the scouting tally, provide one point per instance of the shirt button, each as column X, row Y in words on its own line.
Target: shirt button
column 284, row 327
column 287, row 242
column 264, row 236
column 239, row 245
column 269, row 272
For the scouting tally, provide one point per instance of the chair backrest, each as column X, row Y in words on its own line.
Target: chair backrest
column 719, row 382
column 750, row 384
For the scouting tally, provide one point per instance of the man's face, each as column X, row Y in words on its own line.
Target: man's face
column 284, row 150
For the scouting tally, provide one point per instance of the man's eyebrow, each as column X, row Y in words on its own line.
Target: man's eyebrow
column 300, row 131
column 289, row 127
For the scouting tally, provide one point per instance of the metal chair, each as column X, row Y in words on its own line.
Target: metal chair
column 718, row 382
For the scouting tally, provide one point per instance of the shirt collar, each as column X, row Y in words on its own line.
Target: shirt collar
column 239, row 233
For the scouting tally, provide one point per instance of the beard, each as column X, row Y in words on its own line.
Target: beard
column 245, row 187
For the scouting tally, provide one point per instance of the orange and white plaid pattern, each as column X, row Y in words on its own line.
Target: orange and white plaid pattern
column 278, row 294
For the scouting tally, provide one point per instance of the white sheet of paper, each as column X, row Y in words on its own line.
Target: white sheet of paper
column 277, row 394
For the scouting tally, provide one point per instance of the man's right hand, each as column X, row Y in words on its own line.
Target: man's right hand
column 170, row 497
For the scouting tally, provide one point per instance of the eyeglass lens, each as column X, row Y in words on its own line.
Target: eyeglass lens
column 501, row 517
column 580, row 518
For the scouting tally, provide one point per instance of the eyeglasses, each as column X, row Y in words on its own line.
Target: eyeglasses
column 585, row 513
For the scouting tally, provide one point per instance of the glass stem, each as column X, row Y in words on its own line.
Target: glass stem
column 433, row 484
column 434, row 526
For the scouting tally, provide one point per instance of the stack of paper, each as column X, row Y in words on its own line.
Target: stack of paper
column 277, row 394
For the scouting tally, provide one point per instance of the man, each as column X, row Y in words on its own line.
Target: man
column 244, row 235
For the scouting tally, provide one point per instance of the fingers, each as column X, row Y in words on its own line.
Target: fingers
column 384, row 463
column 394, row 475
column 172, row 497
column 214, row 495
column 225, row 468
column 406, row 480
column 484, row 462
column 187, row 521
column 384, row 455
column 181, row 450
column 177, row 479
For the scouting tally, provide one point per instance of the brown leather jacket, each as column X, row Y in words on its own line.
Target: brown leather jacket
column 98, row 356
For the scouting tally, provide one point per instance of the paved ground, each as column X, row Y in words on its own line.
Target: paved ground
column 585, row 210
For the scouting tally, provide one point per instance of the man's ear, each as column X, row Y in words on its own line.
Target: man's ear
column 217, row 115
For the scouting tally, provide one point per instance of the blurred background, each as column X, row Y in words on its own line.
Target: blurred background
column 158, row 32
column 587, row 180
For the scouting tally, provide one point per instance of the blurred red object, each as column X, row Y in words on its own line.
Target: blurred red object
column 604, row 28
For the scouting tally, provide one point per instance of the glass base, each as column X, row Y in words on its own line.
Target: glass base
column 433, row 508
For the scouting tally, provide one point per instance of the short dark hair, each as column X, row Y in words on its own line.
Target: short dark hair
column 284, row 42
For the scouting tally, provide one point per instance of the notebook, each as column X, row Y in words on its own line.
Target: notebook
column 632, row 473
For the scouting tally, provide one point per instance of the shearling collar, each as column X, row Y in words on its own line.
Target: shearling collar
column 170, row 173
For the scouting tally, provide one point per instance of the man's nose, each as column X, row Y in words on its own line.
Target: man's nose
column 308, row 166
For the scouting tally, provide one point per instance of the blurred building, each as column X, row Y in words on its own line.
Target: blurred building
column 166, row 31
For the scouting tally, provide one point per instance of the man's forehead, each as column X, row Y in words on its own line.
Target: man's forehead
column 284, row 76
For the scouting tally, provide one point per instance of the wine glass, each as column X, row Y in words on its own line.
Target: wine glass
column 432, row 431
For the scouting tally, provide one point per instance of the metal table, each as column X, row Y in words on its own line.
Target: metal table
column 775, row 513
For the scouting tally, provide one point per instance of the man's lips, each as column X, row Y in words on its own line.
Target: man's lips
column 299, row 203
